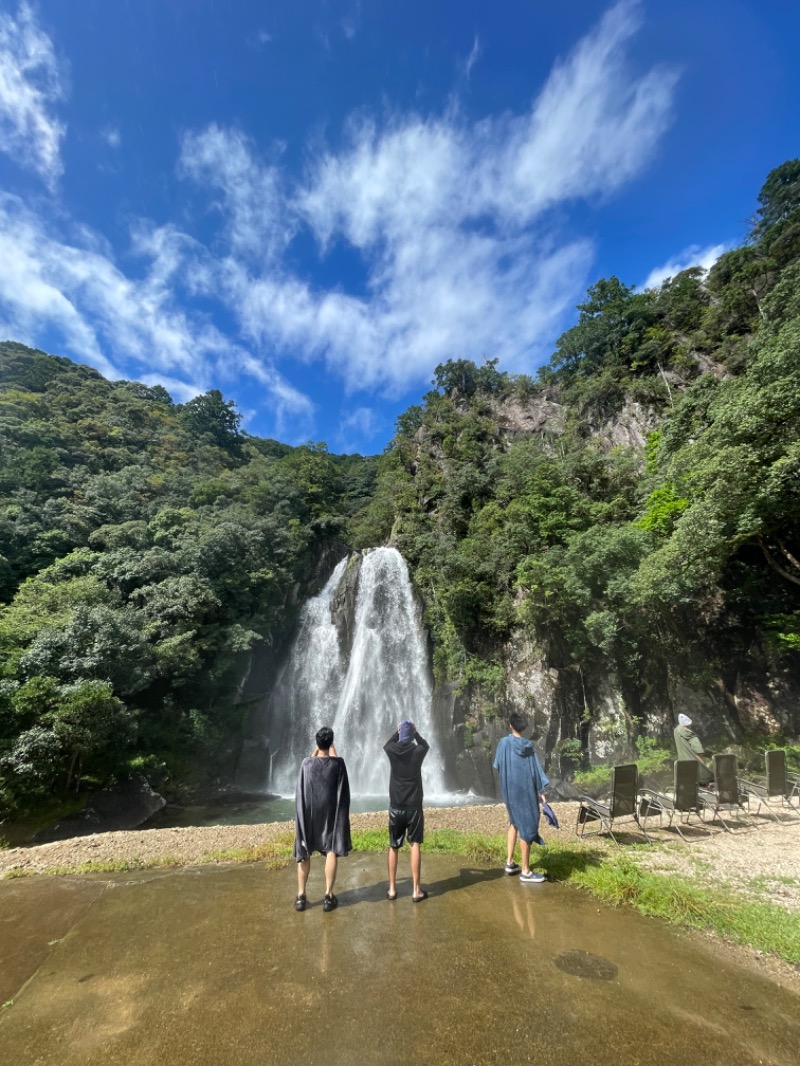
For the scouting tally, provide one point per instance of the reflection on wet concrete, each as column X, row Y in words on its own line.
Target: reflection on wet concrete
column 214, row 966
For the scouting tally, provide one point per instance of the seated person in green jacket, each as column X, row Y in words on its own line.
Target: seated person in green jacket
column 689, row 746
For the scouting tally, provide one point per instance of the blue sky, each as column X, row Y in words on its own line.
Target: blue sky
column 309, row 205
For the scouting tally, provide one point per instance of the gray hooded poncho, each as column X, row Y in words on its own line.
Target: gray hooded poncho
column 322, row 808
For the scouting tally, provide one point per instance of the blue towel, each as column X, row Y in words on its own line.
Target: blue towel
column 550, row 815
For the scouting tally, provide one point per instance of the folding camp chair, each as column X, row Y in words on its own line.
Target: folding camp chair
column 728, row 795
column 621, row 804
column 777, row 785
column 684, row 803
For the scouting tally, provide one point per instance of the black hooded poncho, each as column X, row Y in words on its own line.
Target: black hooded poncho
column 322, row 808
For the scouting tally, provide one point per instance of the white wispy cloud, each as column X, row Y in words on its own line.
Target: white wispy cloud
column 31, row 82
column 77, row 287
column 473, row 56
column 261, row 38
column 251, row 199
column 693, row 256
column 453, row 223
column 290, row 407
column 351, row 20
column 181, row 391
column 123, row 325
column 111, row 136
column 357, row 428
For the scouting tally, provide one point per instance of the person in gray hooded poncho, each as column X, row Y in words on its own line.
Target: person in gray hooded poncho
column 522, row 784
column 689, row 746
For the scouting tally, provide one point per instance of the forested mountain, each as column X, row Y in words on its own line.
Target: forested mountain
column 632, row 514
column 606, row 544
column 144, row 547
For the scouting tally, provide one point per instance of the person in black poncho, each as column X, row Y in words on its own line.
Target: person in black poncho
column 322, row 816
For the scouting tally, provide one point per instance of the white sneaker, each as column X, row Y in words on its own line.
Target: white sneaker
column 532, row 878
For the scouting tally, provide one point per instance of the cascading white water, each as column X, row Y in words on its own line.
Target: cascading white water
column 311, row 679
column 385, row 680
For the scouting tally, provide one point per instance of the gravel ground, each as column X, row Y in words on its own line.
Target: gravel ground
column 762, row 863
column 191, row 844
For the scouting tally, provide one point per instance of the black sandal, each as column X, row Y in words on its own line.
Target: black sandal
column 300, row 903
column 391, row 897
column 418, row 899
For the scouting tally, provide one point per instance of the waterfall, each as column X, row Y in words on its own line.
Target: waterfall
column 364, row 695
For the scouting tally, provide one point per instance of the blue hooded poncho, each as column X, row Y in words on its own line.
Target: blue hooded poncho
column 521, row 780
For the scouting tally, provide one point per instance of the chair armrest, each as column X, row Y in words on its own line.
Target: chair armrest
column 752, row 788
column 658, row 801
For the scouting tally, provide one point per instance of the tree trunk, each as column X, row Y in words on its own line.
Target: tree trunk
column 73, row 760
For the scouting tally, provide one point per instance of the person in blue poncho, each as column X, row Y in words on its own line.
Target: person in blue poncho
column 522, row 784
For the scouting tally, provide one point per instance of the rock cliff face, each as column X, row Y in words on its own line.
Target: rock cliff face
column 343, row 607
column 599, row 717
column 751, row 700
column 516, row 418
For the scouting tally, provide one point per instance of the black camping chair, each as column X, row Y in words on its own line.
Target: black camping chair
column 683, row 803
column 777, row 785
column 623, row 803
column 728, row 795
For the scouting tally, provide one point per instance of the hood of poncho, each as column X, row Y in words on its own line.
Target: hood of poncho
column 521, row 746
column 403, row 750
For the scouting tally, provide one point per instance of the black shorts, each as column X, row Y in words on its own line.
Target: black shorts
column 406, row 820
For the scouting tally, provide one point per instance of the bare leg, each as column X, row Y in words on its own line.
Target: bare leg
column 392, row 864
column 331, row 866
column 512, row 843
column 303, row 869
column 526, row 856
column 416, row 867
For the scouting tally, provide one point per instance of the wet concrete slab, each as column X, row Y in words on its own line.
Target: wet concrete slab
column 34, row 916
column 214, row 966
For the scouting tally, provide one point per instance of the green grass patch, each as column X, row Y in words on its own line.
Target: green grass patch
column 476, row 847
column 617, row 880
column 765, row 882
column 276, row 854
